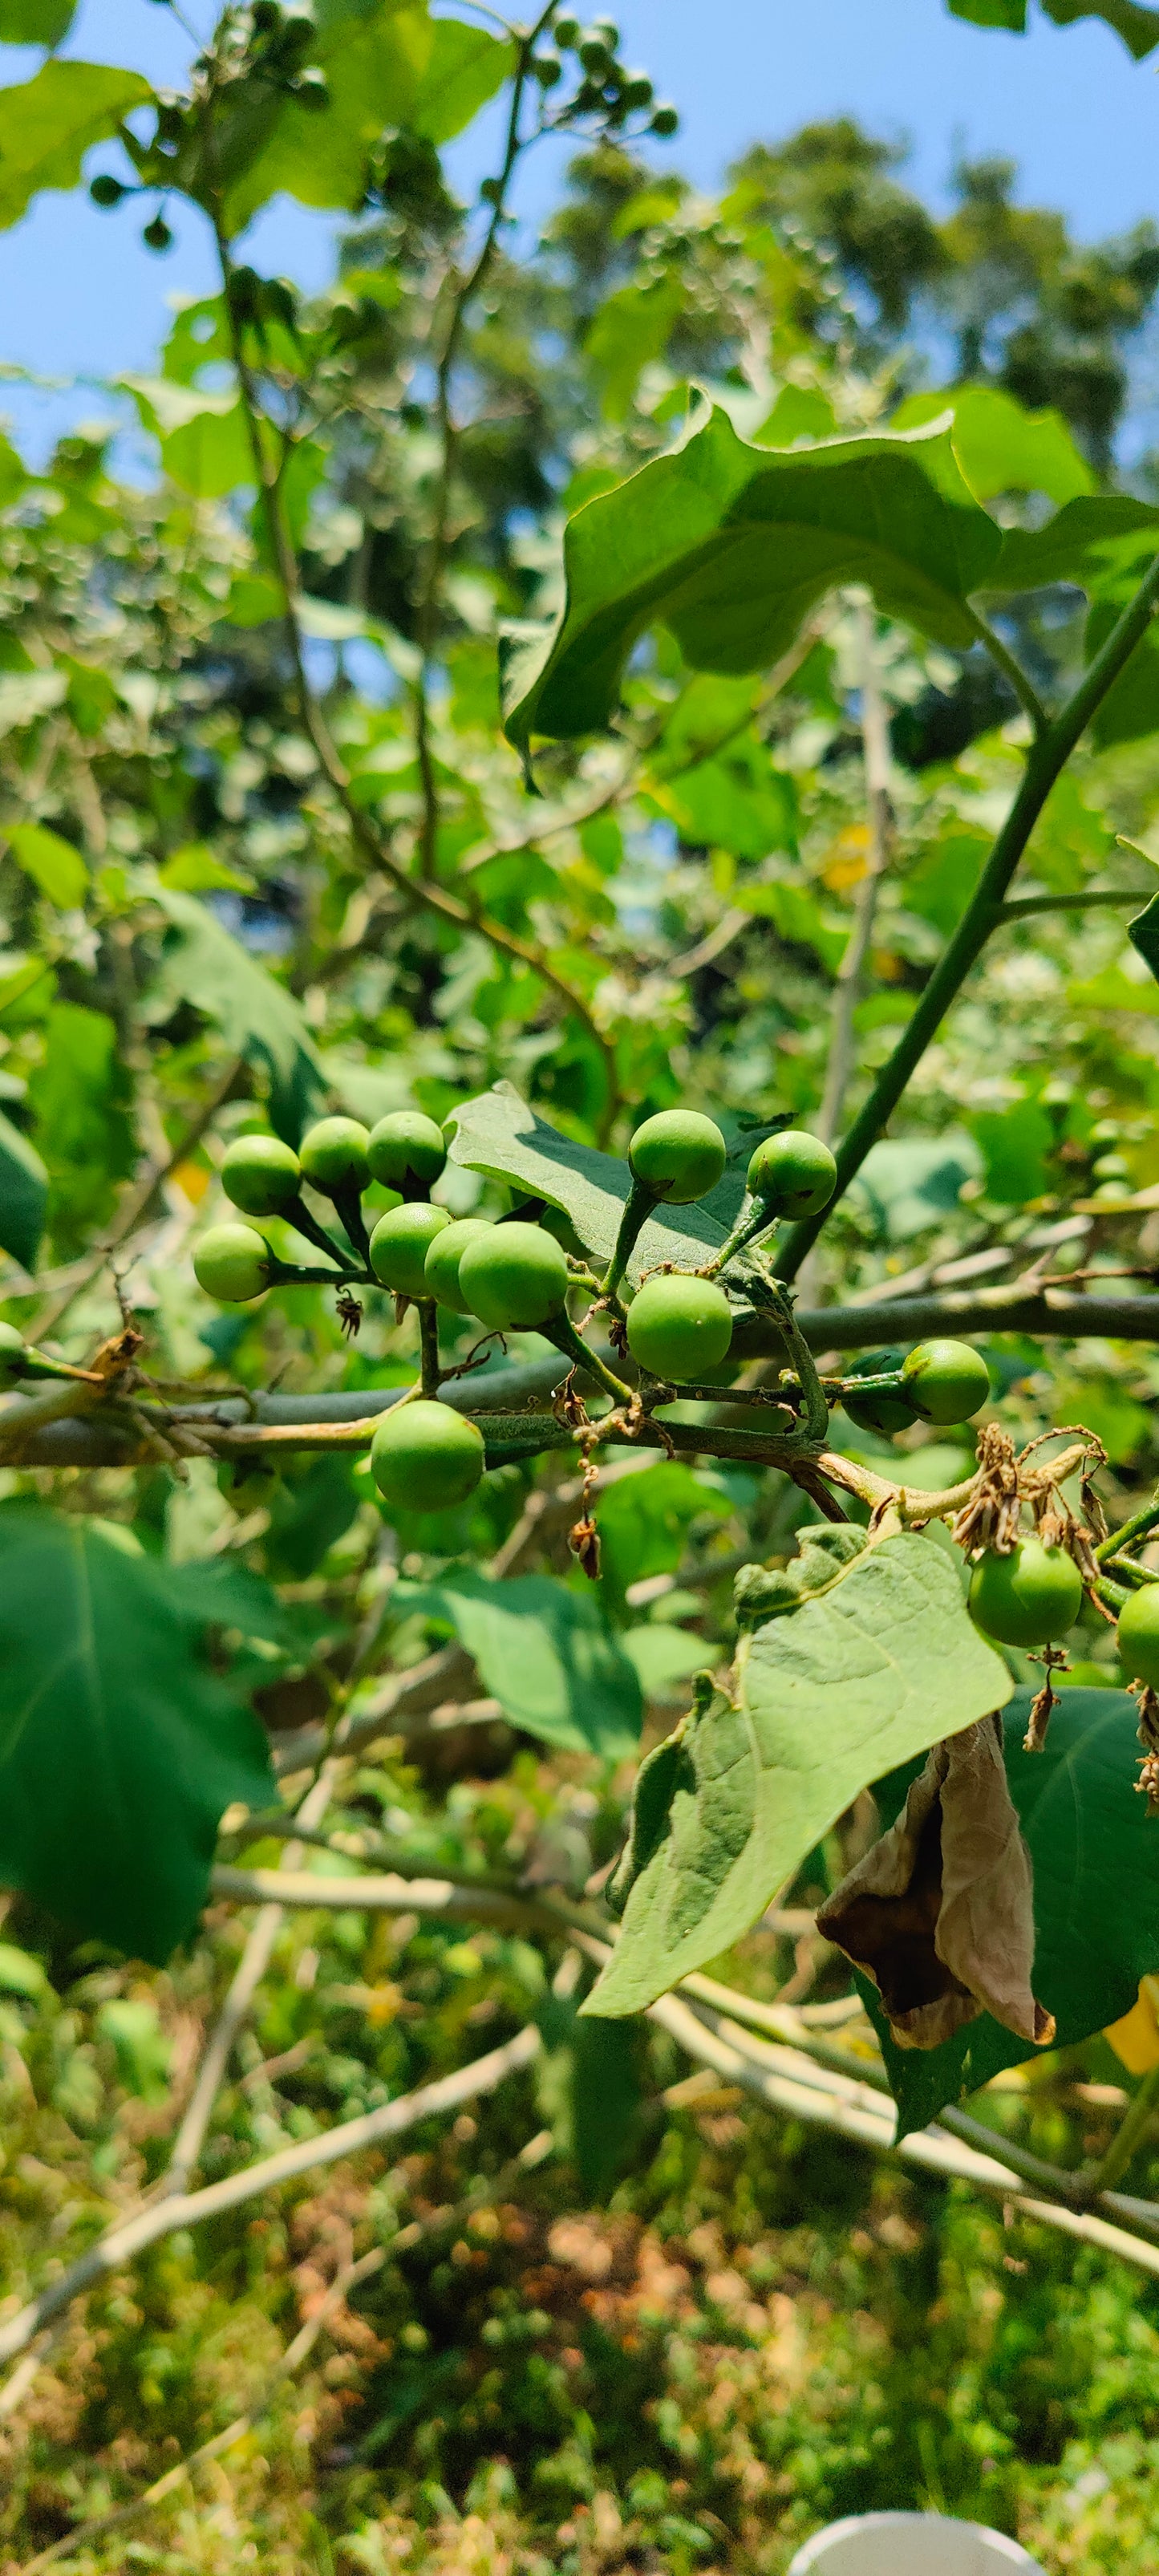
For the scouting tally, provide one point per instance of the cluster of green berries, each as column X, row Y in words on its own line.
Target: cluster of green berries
column 606, row 86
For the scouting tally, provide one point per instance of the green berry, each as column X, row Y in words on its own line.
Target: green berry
column 406, row 1147
column 232, row 1263
column 261, row 1175
column 946, row 1381
column 567, row 33
column 1029, row 1598
column 637, row 90
column 883, row 1413
column 514, row 1277
column 666, row 122
column 678, row 1155
column 444, row 1253
column 106, row 191
column 424, row 1458
column 400, row 1243
column 1139, row 1636
column 679, row 1326
column 156, row 235
column 311, row 89
column 333, row 1155
column 793, row 1174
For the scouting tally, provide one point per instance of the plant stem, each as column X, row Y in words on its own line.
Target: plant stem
column 1011, row 669
column 638, row 1207
column 1032, row 903
column 428, row 1315
column 1046, row 761
column 1140, row 1525
column 879, row 821
column 563, row 1333
column 1127, row 2138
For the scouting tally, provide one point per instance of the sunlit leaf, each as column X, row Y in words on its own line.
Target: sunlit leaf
column 48, row 124
column 23, row 1195
column 203, row 964
column 55, row 865
column 1001, row 447
column 544, row 1652
column 120, row 1748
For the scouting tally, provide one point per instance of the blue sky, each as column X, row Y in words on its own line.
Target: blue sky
column 82, row 299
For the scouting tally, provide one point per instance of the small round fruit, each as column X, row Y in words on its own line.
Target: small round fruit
column 883, row 1413
column 406, row 1147
column 424, row 1458
column 1028, row 1598
column 794, row 1174
column 232, row 1263
column 444, row 1253
column 1139, row 1636
column 400, row 1243
column 678, row 1155
column 514, row 1277
column 333, row 1154
column 946, row 1381
column 679, row 1326
column 261, row 1175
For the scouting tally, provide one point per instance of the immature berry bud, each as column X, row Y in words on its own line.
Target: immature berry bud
column 425, row 1458
column 107, row 191
column 666, row 122
column 514, row 1277
column 678, row 1155
column 406, row 1147
column 333, row 1154
column 232, row 1263
column 400, row 1243
column 793, row 1173
column 1028, row 1598
column 157, row 234
column 261, row 1174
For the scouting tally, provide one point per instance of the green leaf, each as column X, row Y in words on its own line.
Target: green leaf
column 605, row 2101
column 908, row 1184
column 48, row 124
column 1143, row 933
column 35, row 22
column 664, row 1657
column 1001, row 447
column 1095, row 1855
column 82, row 1097
column 203, row 964
column 884, row 1654
column 630, row 330
column 1016, row 1143
column 545, row 1653
column 143, row 2054
column 1103, row 543
column 121, row 1750
column 644, row 1520
column 736, row 802
column 204, row 442
column 377, row 55
column 992, row 13
column 23, row 1195
column 54, row 865
column 465, row 69
column 1139, row 28
column 730, row 546
column 497, row 1133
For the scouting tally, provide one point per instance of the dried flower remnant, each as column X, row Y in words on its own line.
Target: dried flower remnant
column 939, row 1911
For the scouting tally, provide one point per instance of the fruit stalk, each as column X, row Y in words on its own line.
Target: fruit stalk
column 638, row 1207
column 431, row 1372
column 563, row 1333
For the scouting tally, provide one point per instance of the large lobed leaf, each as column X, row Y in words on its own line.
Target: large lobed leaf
column 1095, row 1856
column 498, row 1134
column 48, row 124
column 886, row 1655
column 731, row 545
column 547, row 1654
column 119, row 1749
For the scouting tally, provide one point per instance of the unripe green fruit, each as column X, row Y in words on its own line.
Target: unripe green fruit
column 404, row 1147
column 666, row 122
column 794, row 1174
column 400, row 1243
column 946, row 1381
column 1028, row 1598
column 883, row 1413
column 678, row 1155
column 156, row 235
column 514, row 1277
column 311, row 89
column 1139, row 1636
column 444, row 1253
column 333, row 1154
column 105, row 190
column 424, row 1458
column 567, row 33
column 260, row 1174
column 232, row 1263
column 679, row 1326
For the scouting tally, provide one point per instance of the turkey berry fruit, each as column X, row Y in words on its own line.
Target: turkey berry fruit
column 794, row 1174
column 1139, row 1636
column 678, row 1155
column 514, row 1277
column 261, row 1175
column 1029, row 1598
column 333, row 1155
column 679, row 1326
column 406, row 1149
column 424, row 1458
column 400, row 1243
column 946, row 1381
column 881, row 1413
column 232, row 1264
column 444, row 1253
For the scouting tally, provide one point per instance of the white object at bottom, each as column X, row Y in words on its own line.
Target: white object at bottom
column 910, row 2544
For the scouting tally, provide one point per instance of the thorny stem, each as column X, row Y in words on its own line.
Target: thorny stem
column 638, row 1207
column 879, row 821
column 1139, row 1526
column 1127, row 2138
column 1046, row 760
column 431, row 1373
column 563, row 1333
